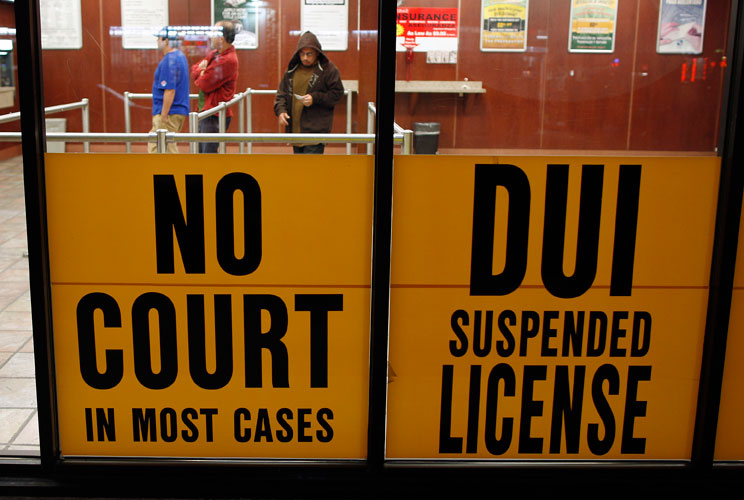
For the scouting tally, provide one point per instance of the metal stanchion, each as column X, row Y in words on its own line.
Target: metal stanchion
column 86, row 123
column 370, row 124
column 193, row 128
column 222, row 118
column 162, row 140
column 241, row 121
column 249, row 116
column 407, row 147
column 127, row 119
column 348, row 119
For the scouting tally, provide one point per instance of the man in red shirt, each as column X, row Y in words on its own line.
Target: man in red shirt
column 216, row 76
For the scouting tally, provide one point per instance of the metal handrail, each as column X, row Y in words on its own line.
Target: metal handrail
column 83, row 105
column 128, row 96
column 406, row 143
column 162, row 137
column 249, row 113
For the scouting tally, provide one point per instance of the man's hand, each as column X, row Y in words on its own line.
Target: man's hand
column 203, row 64
column 307, row 100
column 284, row 119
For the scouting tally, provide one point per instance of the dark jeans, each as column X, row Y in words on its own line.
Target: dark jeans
column 211, row 125
column 314, row 149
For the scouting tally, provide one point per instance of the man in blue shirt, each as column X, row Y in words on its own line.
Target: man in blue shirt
column 170, row 88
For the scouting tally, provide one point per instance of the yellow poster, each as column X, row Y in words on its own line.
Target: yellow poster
column 548, row 308
column 211, row 307
column 504, row 26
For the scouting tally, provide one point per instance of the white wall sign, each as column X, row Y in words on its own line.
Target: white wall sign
column 61, row 24
column 140, row 20
column 328, row 20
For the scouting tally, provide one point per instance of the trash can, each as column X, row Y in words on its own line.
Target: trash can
column 425, row 138
column 56, row 125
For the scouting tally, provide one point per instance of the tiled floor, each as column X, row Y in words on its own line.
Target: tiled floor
column 19, row 434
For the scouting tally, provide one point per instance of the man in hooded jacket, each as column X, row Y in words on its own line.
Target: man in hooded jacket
column 309, row 90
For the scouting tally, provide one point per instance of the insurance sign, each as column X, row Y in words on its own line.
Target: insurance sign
column 548, row 307
column 211, row 307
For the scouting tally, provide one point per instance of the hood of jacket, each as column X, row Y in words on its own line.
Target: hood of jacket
column 307, row 39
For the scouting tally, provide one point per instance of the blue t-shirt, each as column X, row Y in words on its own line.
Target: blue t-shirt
column 172, row 73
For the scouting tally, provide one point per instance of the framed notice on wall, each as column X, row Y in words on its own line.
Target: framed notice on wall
column 140, row 20
column 681, row 27
column 328, row 20
column 504, row 25
column 244, row 14
column 593, row 24
column 61, row 24
column 426, row 29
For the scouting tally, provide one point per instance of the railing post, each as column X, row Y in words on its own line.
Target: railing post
column 86, row 124
column 370, row 125
column 348, row 119
column 127, row 120
column 222, row 118
column 249, row 117
column 162, row 140
column 241, row 120
column 193, row 129
column 407, row 148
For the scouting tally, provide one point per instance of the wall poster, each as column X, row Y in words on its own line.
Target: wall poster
column 504, row 25
column 681, row 27
column 244, row 13
column 61, row 24
column 427, row 29
column 328, row 20
column 140, row 20
column 593, row 25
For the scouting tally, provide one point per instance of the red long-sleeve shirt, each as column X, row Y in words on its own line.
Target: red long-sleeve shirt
column 219, row 79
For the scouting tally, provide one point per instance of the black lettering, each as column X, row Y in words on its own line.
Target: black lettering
column 597, row 335
column 242, row 434
column 282, row 416
column 325, row 435
column 494, row 445
column 319, row 305
column 459, row 317
column 209, row 413
column 256, row 340
column 89, row 424
column 567, row 409
column 626, row 226
column 573, row 333
column 530, row 408
column 263, row 426
column 169, row 217
column 447, row 443
column 303, row 425
column 474, row 409
column 225, row 197
column 609, row 374
column 505, row 348
column 197, row 341
column 617, row 333
column 168, row 425
column 590, row 209
column 640, row 347
column 86, row 309
column 141, row 339
column 514, row 180
column 487, row 334
column 192, row 433
column 144, row 425
column 549, row 332
column 633, row 409
column 530, row 329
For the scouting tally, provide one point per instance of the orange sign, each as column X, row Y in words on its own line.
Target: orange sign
column 211, row 307
column 548, row 308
